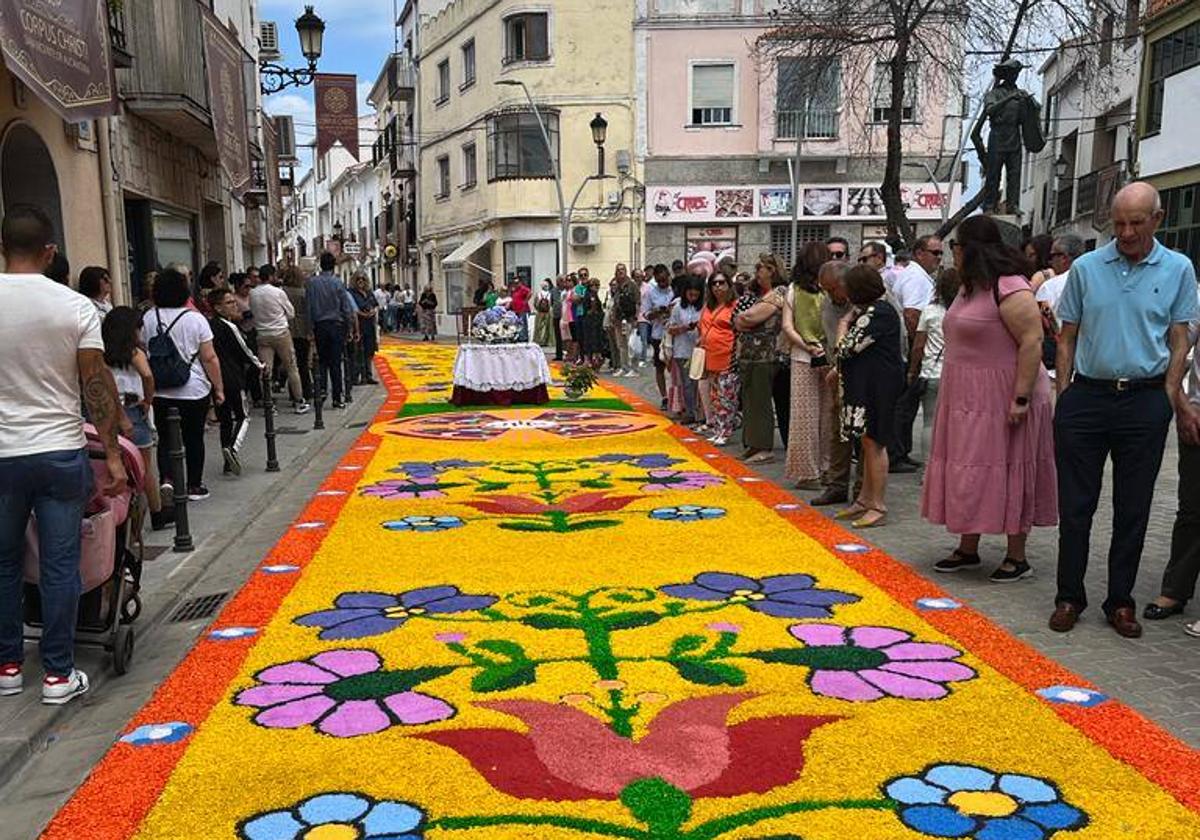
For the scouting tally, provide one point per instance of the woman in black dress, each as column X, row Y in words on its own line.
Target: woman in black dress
column 871, row 373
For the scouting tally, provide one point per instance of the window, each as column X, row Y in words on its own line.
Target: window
column 469, row 176
column 443, row 87
column 468, row 58
column 1133, row 20
column 781, row 237
column 1169, row 55
column 443, row 168
column 527, row 37
column 516, row 147
column 883, row 93
column 712, row 94
column 1181, row 225
column 807, row 96
column 1106, row 41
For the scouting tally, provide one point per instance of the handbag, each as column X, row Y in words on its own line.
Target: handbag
column 666, row 347
column 697, row 366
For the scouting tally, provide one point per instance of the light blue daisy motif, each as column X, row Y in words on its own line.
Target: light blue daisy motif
column 357, row 814
column 686, row 513
column 938, row 604
column 424, row 524
column 852, row 548
column 225, row 634
column 960, row 800
column 1072, row 695
column 158, row 733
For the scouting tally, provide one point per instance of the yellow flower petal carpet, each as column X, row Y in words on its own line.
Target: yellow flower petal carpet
column 574, row 621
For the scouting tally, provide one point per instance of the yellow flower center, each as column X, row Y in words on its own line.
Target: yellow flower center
column 982, row 803
column 332, row 831
column 740, row 595
column 401, row 612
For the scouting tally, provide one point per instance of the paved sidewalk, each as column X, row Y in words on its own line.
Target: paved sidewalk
column 1159, row 674
column 45, row 752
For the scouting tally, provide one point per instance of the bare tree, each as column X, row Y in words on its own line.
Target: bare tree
column 892, row 51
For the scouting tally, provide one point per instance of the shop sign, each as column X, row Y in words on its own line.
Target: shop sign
column 772, row 203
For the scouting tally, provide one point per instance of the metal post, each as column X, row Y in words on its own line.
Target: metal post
column 800, row 134
column 318, row 389
column 269, row 421
column 183, row 536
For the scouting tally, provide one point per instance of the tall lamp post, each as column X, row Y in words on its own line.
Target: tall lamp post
column 274, row 77
column 599, row 127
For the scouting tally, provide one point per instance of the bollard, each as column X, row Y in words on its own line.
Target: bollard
column 318, row 397
column 269, row 422
column 183, row 536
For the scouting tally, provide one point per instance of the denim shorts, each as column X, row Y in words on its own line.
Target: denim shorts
column 143, row 433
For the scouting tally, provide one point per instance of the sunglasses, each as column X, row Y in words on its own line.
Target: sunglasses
column 937, row 253
column 718, row 282
column 837, row 255
column 864, row 259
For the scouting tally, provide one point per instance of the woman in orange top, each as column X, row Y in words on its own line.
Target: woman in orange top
column 719, row 388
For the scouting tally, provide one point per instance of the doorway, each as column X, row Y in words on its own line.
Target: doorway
column 27, row 176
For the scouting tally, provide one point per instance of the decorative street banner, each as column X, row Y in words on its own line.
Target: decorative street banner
column 337, row 112
column 724, row 204
column 274, row 193
column 227, row 100
column 59, row 48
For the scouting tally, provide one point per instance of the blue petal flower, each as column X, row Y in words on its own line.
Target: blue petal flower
column 1009, row 828
column 937, row 820
column 1056, row 815
column 333, row 808
column 277, row 825
column 390, row 819
column 910, row 791
column 1027, row 788
column 961, row 777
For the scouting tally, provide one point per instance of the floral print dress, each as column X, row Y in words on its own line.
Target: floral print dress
column 871, row 373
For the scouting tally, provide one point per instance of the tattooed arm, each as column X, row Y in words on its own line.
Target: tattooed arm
column 104, row 410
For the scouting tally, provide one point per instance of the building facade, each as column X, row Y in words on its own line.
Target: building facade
column 1089, row 102
column 393, row 157
column 1169, row 121
column 719, row 124
column 487, row 200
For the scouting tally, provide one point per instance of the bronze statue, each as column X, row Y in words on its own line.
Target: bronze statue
column 1014, row 118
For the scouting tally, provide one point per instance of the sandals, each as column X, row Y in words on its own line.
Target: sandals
column 854, row 511
column 957, row 561
column 764, row 457
column 865, row 521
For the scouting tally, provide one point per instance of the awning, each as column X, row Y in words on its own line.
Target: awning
column 463, row 252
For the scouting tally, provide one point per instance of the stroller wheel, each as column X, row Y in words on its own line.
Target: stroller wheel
column 131, row 609
column 123, row 649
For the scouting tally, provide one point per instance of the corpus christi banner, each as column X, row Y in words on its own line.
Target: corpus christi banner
column 337, row 112
column 227, row 99
column 59, row 48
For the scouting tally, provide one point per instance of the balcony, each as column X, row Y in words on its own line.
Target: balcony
column 165, row 83
column 118, row 38
column 1085, row 194
column 257, row 193
column 397, row 82
column 813, row 124
column 1064, row 204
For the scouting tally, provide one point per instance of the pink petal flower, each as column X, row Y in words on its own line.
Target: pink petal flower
column 820, row 635
column 355, row 717
column 451, row 638
column 414, row 708
column 271, row 695
column 844, row 685
column 898, row 685
column 724, row 627
column 297, row 673
column 920, row 650
column 877, row 637
column 348, row 663
column 938, row 671
column 296, row 713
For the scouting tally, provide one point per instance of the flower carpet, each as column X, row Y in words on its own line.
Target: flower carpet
column 575, row 621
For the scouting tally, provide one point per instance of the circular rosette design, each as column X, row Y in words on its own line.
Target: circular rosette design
column 871, row 663
column 686, row 513
column 353, row 816
column 782, row 596
column 960, row 800
column 424, row 524
column 343, row 693
column 567, row 424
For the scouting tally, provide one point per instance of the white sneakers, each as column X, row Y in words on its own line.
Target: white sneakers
column 56, row 691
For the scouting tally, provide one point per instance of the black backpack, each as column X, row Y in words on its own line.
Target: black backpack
column 167, row 364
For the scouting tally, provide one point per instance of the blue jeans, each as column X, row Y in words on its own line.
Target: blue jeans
column 644, row 329
column 56, row 487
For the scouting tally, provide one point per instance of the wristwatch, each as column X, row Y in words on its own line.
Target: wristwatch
column 1021, row 401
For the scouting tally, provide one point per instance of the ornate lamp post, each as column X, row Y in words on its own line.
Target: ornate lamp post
column 274, row 78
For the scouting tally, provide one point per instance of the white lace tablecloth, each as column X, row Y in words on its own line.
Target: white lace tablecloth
column 501, row 367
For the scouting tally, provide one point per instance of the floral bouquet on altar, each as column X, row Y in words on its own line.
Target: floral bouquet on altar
column 496, row 326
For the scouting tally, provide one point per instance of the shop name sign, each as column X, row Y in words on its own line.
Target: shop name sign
column 59, row 48
column 773, row 203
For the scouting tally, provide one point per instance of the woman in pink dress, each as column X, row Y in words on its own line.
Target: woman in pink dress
column 992, row 465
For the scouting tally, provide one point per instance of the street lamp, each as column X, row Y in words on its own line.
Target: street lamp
column 337, row 231
column 1061, row 165
column 599, row 127
column 311, row 30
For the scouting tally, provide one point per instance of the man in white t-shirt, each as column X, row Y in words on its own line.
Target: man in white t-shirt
column 51, row 345
column 272, row 310
column 1063, row 252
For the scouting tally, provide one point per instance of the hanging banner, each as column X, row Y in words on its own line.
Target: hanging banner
column 227, row 101
column 59, row 49
column 274, row 191
column 337, row 112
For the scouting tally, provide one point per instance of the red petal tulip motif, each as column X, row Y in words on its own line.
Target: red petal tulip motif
column 581, row 503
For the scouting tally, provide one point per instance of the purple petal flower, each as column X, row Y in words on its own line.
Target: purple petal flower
column 358, row 615
column 665, row 479
column 781, row 596
column 414, row 708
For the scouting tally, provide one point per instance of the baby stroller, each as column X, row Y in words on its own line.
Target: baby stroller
column 110, row 570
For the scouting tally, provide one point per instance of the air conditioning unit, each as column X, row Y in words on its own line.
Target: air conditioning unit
column 585, row 236
column 268, row 41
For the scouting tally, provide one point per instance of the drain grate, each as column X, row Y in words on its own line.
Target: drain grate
column 202, row 606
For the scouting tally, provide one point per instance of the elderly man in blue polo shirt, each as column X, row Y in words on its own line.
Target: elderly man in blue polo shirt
column 1125, row 312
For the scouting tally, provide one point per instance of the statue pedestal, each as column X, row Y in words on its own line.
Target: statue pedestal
column 1010, row 229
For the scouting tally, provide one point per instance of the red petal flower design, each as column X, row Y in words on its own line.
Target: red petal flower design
column 569, row 755
column 594, row 503
column 509, row 504
column 581, row 503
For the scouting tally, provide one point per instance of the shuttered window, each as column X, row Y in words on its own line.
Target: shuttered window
column 712, row 94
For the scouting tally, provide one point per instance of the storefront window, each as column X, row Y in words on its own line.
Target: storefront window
column 714, row 242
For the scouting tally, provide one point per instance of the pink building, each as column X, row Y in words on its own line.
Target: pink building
column 719, row 125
